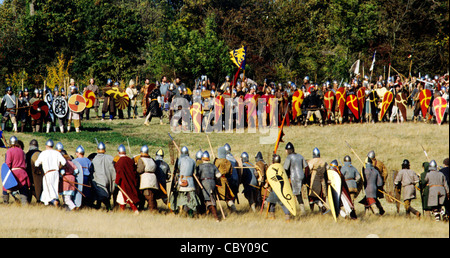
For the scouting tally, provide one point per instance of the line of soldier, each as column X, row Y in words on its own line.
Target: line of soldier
column 198, row 186
column 18, row 109
column 158, row 97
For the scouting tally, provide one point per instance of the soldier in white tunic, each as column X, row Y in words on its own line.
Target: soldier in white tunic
column 51, row 161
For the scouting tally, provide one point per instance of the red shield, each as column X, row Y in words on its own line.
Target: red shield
column 39, row 110
column 361, row 95
column 439, row 106
column 425, row 100
column 328, row 101
column 297, row 100
column 340, row 98
column 387, row 100
column 352, row 104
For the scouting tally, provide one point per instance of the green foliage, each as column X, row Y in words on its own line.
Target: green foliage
column 285, row 39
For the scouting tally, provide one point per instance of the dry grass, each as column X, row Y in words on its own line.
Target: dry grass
column 391, row 142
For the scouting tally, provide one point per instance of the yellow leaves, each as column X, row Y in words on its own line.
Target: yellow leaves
column 16, row 79
column 57, row 73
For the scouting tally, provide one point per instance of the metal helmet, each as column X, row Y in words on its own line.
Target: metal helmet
column 244, row 156
column 8, row 88
column 160, row 153
column 289, row 146
column 259, row 156
column 185, row 150
column 49, row 143
column 59, row 146
column 199, row 154
column 121, row 148
column 347, row 158
column 405, row 163
column 316, row 153
column 205, row 155
column 144, row 149
column 276, row 158
column 371, row 154
column 227, row 147
column 101, row 146
column 13, row 140
column 34, row 143
column 80, row 149
column 334, row 163
column 433, row 165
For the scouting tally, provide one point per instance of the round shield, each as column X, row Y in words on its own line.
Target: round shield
column 90, row 98
column 122, row 100
column 77, row 103
column 60, row 107
column 39, row 110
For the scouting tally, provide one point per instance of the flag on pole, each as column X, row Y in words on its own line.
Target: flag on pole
column 238, row 57
column 355, row 67
column 373, row 61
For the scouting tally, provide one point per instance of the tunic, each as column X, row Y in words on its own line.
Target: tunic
column 207, row 173
column 351, row 176
column 373, row 180
column 294, row 166
column 225, row 168
column 126, row 177
column 408, row 179
column 186, row 180
column 146, row 168
column 15, row 159
column 50, row 160
column 104, row 176
column 317, row 167
column 438, row 188
column 68, row 188
column 153, row 106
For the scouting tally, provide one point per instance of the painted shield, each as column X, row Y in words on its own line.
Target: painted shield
column 340, row 100
column 122, row 100
column 279, row 182
column 387, row 100
column 39, row 110
column 334, row 192
column 361, row 95
column 401, row 102
column 328, row 101
column 297, row 100
column 439, row 107
column 77, row 103
column 49, row 100
column 8, row 179
column 352, row 104
column 90, row 98
column 60, row 107
column 425, row 101
column 196, row 112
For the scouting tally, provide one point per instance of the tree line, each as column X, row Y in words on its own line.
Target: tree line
column 285, row 39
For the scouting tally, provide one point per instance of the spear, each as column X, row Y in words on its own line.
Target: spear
column 424, row 151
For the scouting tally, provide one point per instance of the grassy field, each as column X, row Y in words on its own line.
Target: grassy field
column 391, row 142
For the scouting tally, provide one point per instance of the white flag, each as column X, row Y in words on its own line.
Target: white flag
column 355, row 67
column 373, row 61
